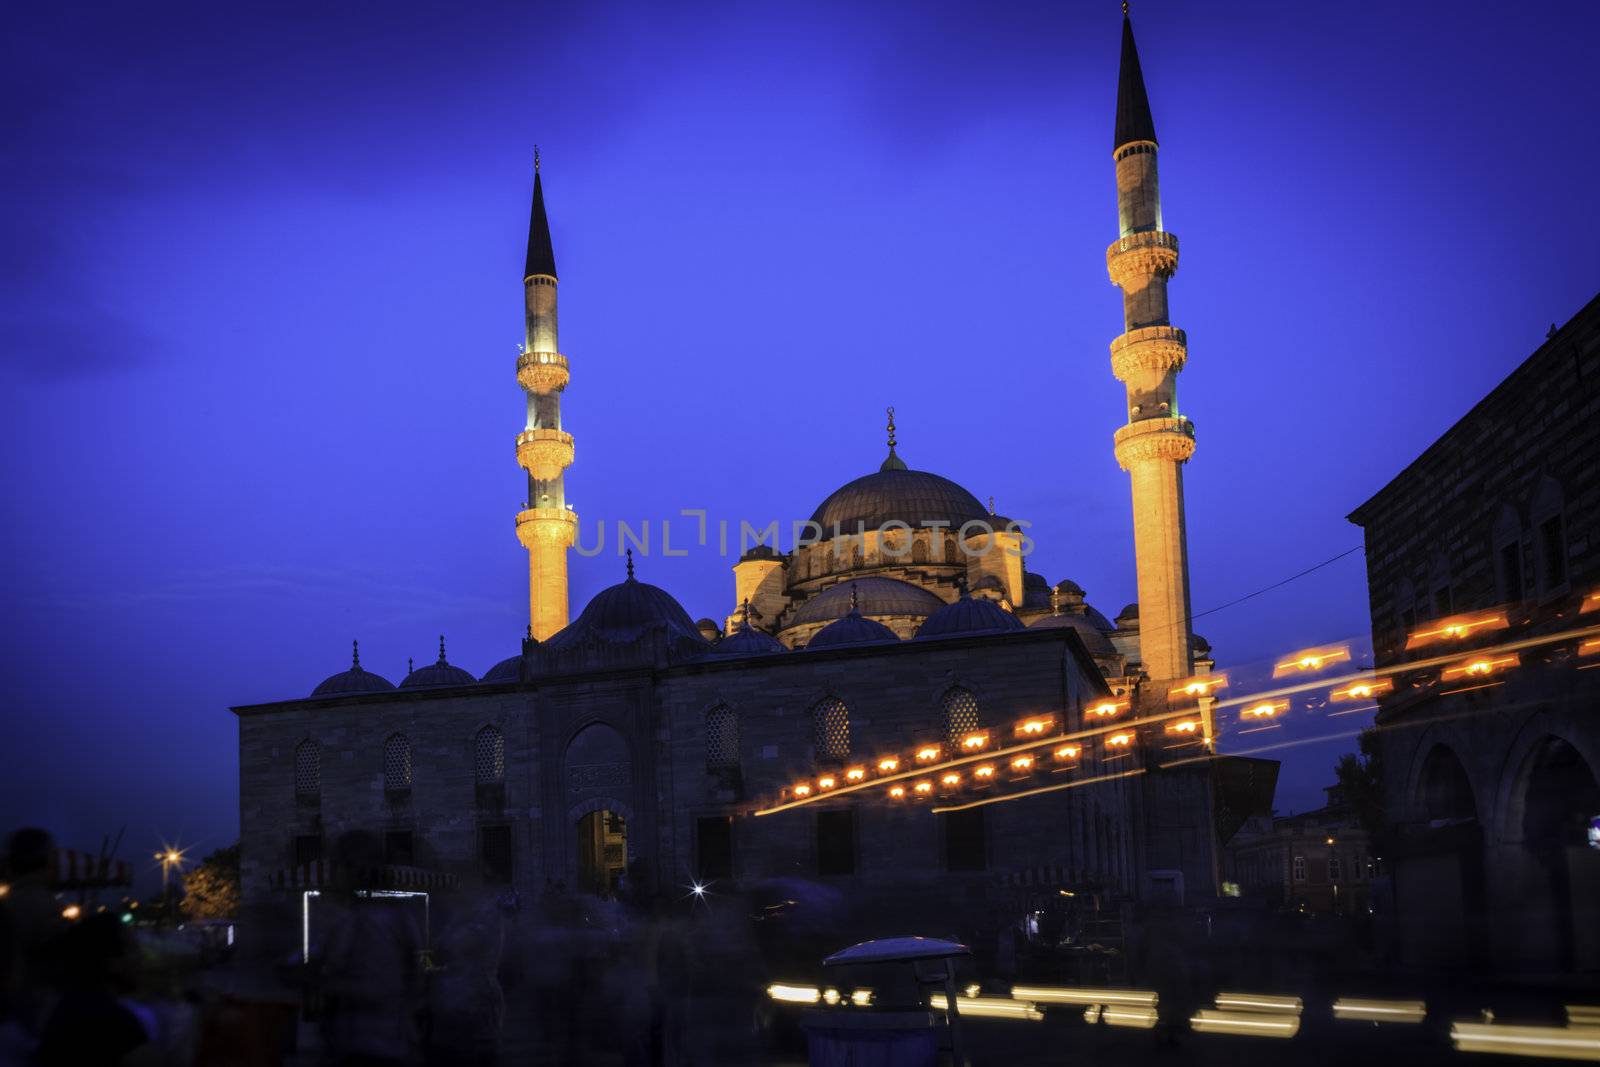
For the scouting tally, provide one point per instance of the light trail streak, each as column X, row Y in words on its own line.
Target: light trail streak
column 987, row 1007
column 1038, row 790
column 1311, row 659
column 1359, row 1009
column 809, row 797
column 1244, row 1023
column 1567, row 1043
column 1259, row 1002
column 1457, row 627
column 1041, row 994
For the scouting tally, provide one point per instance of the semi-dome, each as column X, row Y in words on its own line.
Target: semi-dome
column 626, row 611
column 853, row 629
column 438, row 674
column 1094, row 639
column 748, row 641
column 895, row 493
column 869, row 596
column 354, row 680
column 969, row 615
column 507, row 670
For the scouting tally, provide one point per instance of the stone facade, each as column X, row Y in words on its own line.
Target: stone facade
column 1489, row 774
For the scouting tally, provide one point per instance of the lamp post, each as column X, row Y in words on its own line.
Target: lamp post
column 169, row 858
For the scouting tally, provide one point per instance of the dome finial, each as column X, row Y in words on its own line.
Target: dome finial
column 1055, row 601
column 536, row 147
column 854, row 602
column 536, row 150
column 441, row 649
column 744, row 621
column 355, row 655
column 991, row 503
column 411, row 665
column 893, row 462
column 630, row 564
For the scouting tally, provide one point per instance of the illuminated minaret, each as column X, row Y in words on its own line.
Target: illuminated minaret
column 546, row 526
column 1157, row 440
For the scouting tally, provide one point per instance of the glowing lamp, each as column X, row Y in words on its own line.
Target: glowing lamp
column 855, row 774
column 1067, row 752
column 897, row 791
column 1457, row 628
column 830, row 996
column 794, row 994
column 930, row 752
column 1264, row 710
column 1310, row 659
column 1199, row 686
column 1105, row 709
column 826, row 782
column 1185, row 726
column 71, row 912
column 888, row 766
column 974, row 741
column 1120, row 740
column 1022, row 763
column 1035, row 726
column 922, row 788
column 1480, row 666
column 1363, row 690
column 951, row 779
column 5, row 890
column 802, row 790
column 861, row 998
column 986, row 771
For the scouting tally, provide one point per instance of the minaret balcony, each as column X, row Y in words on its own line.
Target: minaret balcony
column 542, row 373
column 1140, row 256
column 1143, row 357
column 538, row 527
column 1168, row 439
column 544, row 453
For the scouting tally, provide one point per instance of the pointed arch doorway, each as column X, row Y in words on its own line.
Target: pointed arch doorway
column 602, row 851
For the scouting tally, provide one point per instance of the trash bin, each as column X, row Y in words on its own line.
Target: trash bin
column 900, row 1030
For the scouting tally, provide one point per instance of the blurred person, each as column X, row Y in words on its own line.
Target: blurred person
column 369, row 967
column 30, row 922
column 93, row 1022
column 466, row 1004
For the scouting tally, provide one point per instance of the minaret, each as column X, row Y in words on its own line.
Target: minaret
column 545, row 526
column 1157, row 440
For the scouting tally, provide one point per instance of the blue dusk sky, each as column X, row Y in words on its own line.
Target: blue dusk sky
column 262, row 296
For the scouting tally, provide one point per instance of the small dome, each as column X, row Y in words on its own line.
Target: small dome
column 435, row 675
column 873, row 596
column 896, row 494
column 1091, row 635
column 746, row 641
column 1128, row 618
column 761, row 551
column 969, row 615
column 1199, row 645
column 624, row 612
column 853, row 629
column 354, row 680
column 507, row 670
column 1068, row 587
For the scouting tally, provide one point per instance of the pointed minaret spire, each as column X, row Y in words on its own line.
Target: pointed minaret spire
column 541, row 254
column 1133, row 104
column 893, row 462
column 546, row 525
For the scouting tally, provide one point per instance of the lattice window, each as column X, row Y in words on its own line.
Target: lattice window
column 397, row 762
column 831, row 729
column 722, row 738
column 307, row 768
column 489, row 756
column 959, row 710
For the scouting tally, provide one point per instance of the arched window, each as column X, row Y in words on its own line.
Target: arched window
column 830, row 721
column 488, row 756
column 959, row 716
column 722, row 738
column 919, row 549
column 1550, row 536
column 1507, row 541
column 307, row 769
column 397, row 762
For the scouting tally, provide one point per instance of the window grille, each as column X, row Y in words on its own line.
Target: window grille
column 832, row 729
column 489, row 756
column 722, row 738
column 307, row 768
column 1299, row 868
column 960, row 711
column 397, row 762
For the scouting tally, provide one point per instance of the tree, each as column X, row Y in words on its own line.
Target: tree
column 211, row 890
column 1361, row 779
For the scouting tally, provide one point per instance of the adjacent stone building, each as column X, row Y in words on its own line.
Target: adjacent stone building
column 1317, row 862
column 1483, row 561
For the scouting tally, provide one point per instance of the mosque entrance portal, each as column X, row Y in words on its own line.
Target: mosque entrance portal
column 602, row 852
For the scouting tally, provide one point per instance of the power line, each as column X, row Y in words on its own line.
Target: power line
column 1275, row 585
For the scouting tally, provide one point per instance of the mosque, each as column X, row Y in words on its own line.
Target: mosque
column 855, row 719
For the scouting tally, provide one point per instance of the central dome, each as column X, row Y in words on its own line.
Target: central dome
column 895, row 493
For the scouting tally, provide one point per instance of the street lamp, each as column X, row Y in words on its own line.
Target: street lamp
column 169, row 857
